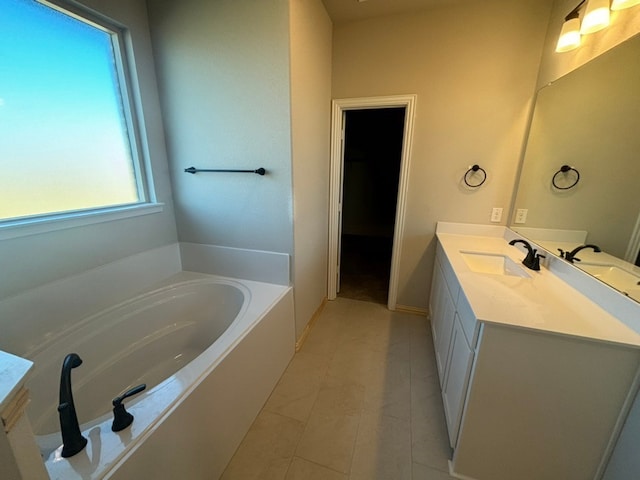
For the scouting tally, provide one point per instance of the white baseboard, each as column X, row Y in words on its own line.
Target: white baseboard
column 412, row 310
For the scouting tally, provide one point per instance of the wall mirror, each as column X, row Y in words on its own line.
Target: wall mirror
column 588, row 120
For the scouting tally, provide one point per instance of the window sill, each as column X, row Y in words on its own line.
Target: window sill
column 35, row 226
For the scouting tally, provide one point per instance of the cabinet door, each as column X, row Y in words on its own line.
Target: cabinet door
column 624, row 462
column 456, row 380
column 443, row 312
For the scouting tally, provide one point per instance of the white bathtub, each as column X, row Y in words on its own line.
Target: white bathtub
column 210, row 350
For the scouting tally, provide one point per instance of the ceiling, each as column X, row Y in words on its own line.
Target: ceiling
column 342, row 11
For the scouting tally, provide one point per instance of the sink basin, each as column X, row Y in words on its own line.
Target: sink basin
column 493, row 264
column 615, row 276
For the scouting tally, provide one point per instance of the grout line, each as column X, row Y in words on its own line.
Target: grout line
column 412, row 354
column 322, row 382
column 319, row 465
column 291, row 460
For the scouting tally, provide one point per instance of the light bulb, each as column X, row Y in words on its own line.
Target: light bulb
column 621, row 4
column 596, row 16
column 569, row 36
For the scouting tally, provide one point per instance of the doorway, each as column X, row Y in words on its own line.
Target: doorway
column 340, row 109
column 371, row 171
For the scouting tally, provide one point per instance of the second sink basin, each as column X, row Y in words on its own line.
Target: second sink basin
column 493, row 263
column 613, row 275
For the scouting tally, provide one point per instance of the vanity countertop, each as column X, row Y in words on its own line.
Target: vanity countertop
column 542, row 302
column 13, row 374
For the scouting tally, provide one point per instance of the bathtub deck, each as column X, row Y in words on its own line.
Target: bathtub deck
column 361, row 400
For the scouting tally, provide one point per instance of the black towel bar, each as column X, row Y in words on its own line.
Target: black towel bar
column 259, row 171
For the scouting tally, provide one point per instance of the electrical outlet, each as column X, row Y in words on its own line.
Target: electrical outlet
column 496, row 214
column 521, row 215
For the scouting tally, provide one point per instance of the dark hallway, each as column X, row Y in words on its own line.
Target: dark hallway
column 366, row 261
column 373, row 151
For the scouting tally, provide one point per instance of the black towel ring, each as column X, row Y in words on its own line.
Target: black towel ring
column 564, row 169
column 473, row 170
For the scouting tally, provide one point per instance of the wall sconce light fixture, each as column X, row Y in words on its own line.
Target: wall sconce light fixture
column 595, row 17
column 622, row 4
column 570, row 35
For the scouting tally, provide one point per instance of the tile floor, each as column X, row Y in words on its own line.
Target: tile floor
column 361, row 400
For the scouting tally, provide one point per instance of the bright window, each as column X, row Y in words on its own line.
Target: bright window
column 67, row 137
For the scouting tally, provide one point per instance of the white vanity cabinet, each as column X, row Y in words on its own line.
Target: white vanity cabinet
column 536, row 380
column 541, row 406
column 454, row 331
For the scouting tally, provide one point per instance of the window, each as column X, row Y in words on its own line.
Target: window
column 67, row 131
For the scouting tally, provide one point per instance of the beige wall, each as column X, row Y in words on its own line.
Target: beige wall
column 474, row 69
column 624, row 24
column 27, row 262
column 223, row 72
column 310, row 130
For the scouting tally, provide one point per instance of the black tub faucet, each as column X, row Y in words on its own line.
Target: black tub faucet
column 72, row 440
column 571, row 256
column 532, row 260
column 121, row 418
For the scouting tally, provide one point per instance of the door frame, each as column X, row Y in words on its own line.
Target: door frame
column 338, row 109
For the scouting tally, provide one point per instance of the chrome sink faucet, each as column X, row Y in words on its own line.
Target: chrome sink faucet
column 532, row 260
column 571, row 256
column 72, row 440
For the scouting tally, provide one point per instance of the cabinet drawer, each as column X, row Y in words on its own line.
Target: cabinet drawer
column 467, row 319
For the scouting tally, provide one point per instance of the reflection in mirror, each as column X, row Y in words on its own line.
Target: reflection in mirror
column 588, row 120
